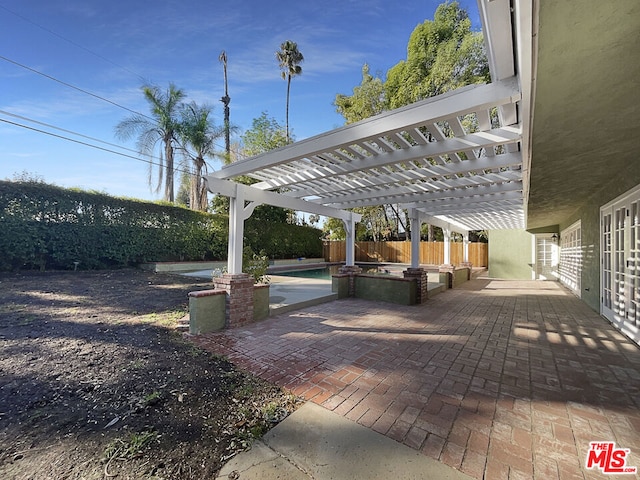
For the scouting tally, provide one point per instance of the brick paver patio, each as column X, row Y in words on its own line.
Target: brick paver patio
column 499, row 379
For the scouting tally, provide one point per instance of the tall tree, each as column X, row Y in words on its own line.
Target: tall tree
column 264, row 135
column 443, row 54
column 367, row 100
column 198, row 135
column 289, row 60
column 161, row 128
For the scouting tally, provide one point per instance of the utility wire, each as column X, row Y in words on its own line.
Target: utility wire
column 140, row 77
column 66, row 131
column 21, row 117
column 33, row 70
column 69, row 85
column 150, row 162
column 77, row 45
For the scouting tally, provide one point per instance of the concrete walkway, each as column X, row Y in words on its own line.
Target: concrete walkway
column 497, row 379
column 317, row 444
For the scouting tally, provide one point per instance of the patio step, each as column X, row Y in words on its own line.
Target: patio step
column 434, row 289
column 304, row 304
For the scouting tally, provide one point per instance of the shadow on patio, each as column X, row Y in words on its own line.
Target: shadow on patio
column 500, row 379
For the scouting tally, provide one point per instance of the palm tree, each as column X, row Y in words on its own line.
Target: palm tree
column 289, row 59
column 198, row 134
column 162, row 127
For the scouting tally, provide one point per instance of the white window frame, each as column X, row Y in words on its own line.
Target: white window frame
column 570, row 267
column 619, row 260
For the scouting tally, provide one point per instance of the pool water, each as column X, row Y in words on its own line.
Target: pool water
column 324, row 273
column 318, row 273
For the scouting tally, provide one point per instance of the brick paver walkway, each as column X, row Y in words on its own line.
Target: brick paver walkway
column 500, row 379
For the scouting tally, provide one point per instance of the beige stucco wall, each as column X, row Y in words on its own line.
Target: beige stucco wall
column 510, row 254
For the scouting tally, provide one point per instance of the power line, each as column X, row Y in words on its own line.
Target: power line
column 66, row 131
column 69, row 85
column 21, row 117
column 33, row 70
column 150, row 162
column 75, row 44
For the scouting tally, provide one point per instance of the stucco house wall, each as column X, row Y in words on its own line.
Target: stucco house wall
column 510, row 254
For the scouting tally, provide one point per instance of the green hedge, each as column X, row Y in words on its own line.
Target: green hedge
column 282, row 240
column 44, row 226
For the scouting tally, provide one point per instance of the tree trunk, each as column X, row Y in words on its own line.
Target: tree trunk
column 168, row 186
column 198, row 187
column 287, row 111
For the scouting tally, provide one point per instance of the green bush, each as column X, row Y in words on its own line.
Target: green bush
column 44, row 226
column 282, row 240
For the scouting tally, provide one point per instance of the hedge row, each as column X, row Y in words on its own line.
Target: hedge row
column 48, row 227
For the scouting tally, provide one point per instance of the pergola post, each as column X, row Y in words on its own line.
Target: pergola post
column 414, row 217
column 237, row 285
column 420, row 274
column 466, row 263
column 236, row 233
column 447, row 246
column 447, row 268
column 350, row 229
column 465, row 247
column 350, row 267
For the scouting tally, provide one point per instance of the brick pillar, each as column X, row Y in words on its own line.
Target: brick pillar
column 239, row 298
column 420, row 274
column 352, row 271
column 450, row 271
column 468, row 265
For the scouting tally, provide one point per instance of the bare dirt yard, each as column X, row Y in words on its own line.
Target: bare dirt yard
column 95, row 381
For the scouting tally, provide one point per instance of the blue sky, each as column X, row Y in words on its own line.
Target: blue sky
column 110, row 48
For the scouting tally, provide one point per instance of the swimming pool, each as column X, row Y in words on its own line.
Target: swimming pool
column 323, row 273
column 318, row 273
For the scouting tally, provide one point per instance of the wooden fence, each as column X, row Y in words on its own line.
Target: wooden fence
column 431, row 253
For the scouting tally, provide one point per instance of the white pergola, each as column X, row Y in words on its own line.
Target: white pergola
column 456, row 161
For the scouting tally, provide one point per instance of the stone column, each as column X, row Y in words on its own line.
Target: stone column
column 239, row 298
column 352, row 271
column 420, row 274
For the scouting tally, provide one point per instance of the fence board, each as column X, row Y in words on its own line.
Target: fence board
column 431, row 253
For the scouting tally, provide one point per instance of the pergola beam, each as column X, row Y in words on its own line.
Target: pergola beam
column 478, row 140
column 232, row 189
column 472, row 193
column 435, row 109
column 444, row 224
column 336, row 188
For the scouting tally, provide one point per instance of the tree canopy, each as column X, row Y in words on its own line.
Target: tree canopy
column 368, row 99
column 198, row 135
column 264, row 135
column 443, row 54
